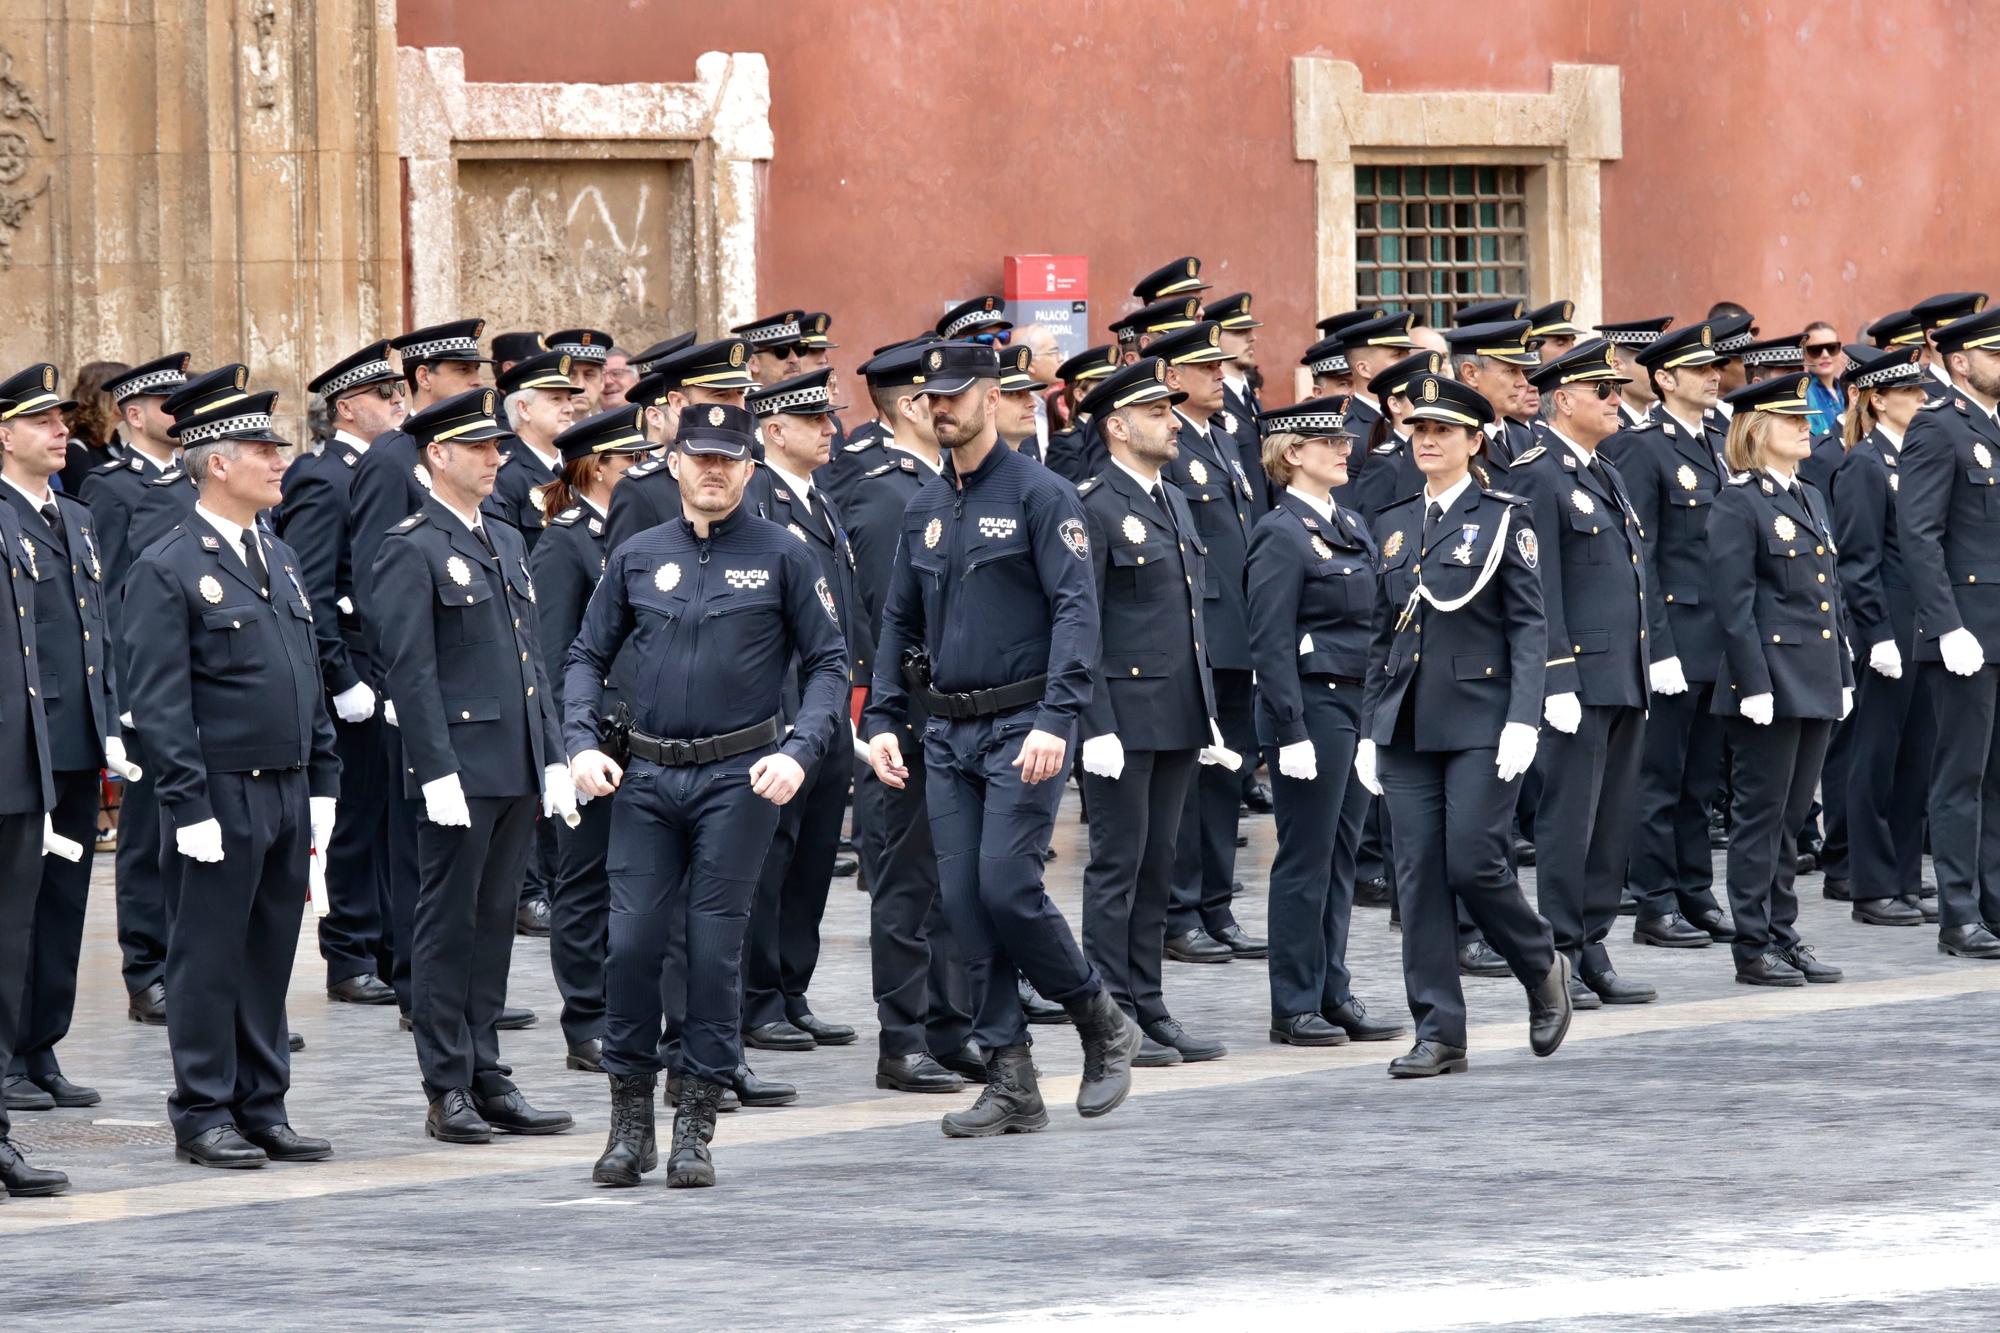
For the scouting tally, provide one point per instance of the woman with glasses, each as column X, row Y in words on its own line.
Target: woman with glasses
column 1826, row 399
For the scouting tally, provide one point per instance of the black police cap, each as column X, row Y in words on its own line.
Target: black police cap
column 1948, row 308
column 208, row 390
column 1594, row 361
column 1686, row 347
column 1896, row 329
column 1783, row 394
column 981, row 314
column 622, row 430
column 30, row 391
column 1314, row 416
column 1488, row 312
column 1969, row 331
column 1557, row 319
column 1171, row 279
column 1436, row 398
column 368, row 366
column 660, row 351
column 582, row 344
column 1093, row 363
column 1502, row 340
column 807, row 395
column 1015, row 377
column 709, row 365
column 543, row 370
column 1232, row 313
column 1396, row 379
column 771, row 332
column 952, row 367
column 1195, row 345
column 1144, row 381
column 1382, row 331
column 898, row 366
column 156, row 378
column 1635, row 332
column 242, row 420
column 718, row 429
column 455, row 341
column 517, row 346
column 463, row 418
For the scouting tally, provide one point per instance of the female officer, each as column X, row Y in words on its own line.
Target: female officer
column 1891, row 732
column 1312, row 599
column 1454, row 696
column 1785, row 678
column 566, row 564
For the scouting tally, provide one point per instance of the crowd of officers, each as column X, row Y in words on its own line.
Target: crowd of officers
column 604, row 650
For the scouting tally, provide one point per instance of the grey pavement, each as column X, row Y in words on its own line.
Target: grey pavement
column 1725, row 1158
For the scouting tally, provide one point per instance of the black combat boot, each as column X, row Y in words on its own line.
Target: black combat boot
column 1010, row 1104
column 691, row 1164
column 631, row 1151
column 1110, row 1040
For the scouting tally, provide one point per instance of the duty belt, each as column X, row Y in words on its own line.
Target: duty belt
column 706, row 750
column 985, row 703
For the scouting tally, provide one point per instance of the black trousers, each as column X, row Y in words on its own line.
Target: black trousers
column 20, row 882
column 1672, row 869
column 463, row 946
column 1453, row 819
column 229, row 954
column 580, row 920
column 1833, row 797
column 405, row 815
column 1892, row 732
column 354, row 934
column 783, row 945
column 1773, row 771
column 1205, row 856
column 1134, row 824
column 142, row 897
column 1583, row 825
column 1313, row 870
column 921, row 1000
column 50, row 996
column 1965, row 795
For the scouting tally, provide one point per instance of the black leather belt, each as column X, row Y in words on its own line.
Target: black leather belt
column 707, row 750
column 985, row 703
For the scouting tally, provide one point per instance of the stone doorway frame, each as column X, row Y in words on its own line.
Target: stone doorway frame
column 720, row 123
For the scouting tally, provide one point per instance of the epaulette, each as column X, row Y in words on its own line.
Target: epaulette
column 1529, row 455
column 1509, row 497
column 171, row 475
column 1739, row 479
column 647, row 468
column 858, row 446
column 1398, row 504
column 117, row 464
column 1387, row 446
column 875, row 472
column 1931, row 403
column 409, row 522
column 568, row 516
column 1086, row 486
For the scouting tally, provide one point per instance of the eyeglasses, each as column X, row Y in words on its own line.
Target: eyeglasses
column 388, row 393
column 1821, row 349
column 1602, row 388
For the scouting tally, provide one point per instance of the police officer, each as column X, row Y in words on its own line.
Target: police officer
column 1240, row 403
column 1492, row 358
column 716, row 604
column 364, row 398
column 698, row 375
column 1151, row 700
column 1785, row 678
column 1312, row 602
column 1628, row 338
column 1594, row 597
column 169, row 498
column 1077, row 453
column 1949, row 530
column 455, row 608
column 1673, row 469
column 1020, row 395
column 226, row 683
column 80, row 702
column 774, row 345
column 565, row 566
column 540, row 401
column 981, row 319
column 862, row 450
column 1391, row 473
column 992, row 600
column 1454, row 695
column 587, row 350
column 1892, row 729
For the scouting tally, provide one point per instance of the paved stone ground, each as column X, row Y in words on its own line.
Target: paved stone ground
column 1726, row 1158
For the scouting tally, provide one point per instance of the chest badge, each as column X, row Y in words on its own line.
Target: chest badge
column 1982, row 455
column 796, row 531
column 458, row 571
column 1198, row 471
column 1133, row 530
column 1785, row 528
column 1392, row 547
column 1582, row 502
column 535, row 494
column 423, row 477
column 933, row 533
column 1321, row 551
column 28, row 550
column 667, row 577
column 210, row 590
column 997, row 527
column 1466, row 536
column 744, row 579
column 1685, row 477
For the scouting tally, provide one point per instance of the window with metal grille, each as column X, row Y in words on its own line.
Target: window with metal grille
column 1435, row 238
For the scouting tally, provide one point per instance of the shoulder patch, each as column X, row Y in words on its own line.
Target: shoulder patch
column 1530, row 455
column 1086, row 486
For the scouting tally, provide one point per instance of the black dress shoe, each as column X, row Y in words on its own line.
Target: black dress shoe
column 825, row 1033
column 1769, row 969
column 222, row 1147
column 1243, row 944
column 22, row 1181
column 510, row 1113
column 1886, row 912
column 1549, row 1009
column 968, row 1062
column 1242, row 840
column 1628, row 905
column 843, row 866
column 778, row 1036
column 295, row 1042
column 1802, row 957
column 1034, row 1008
column 1808, row 863
column 364, row 989
column 730, row 1101
column 1193, row 1049
column 1371, row 892
column 67, row 1093
column 1351, row 1017
column 1198, row 946
column 915, row 1073
column 587, row 1055
column 21, row 1095
column 1154, row 1055
column 1928, row 906
column 452, row 1119
column 1672, row 931
column 1477, row 959
column 1582, row 996
column 1524, row 852
column 1715, row 922
column 403, row 1022
column 149, row 1006
column 1927, row 889
column 1614, row 989
column 1257, row 797
column 282, row 1143
column 1969, row 942
column 532, row 918
column 1428, row 1059
column 754, row 1091
column 1305, row 1030
column 513, row 1020
column 1837, row 890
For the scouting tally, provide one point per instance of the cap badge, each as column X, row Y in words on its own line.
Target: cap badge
column 736, row 354
column 936, row 360
column 986, row 304
column 1707, row 336
column 933, row 533
column 1159, row 370
column 49, row 378
column 1192, row 309
column 1215, row 337
column 1785, row 528
column 486, row 402
column 211, row 591
column 562, row 362
column 1197, row 471
column 584, row 341
column 1133, row 529
column 1982, row 455
column 1436, row 365
column 1685, row 476
column 1193, row 267
column 1429, row 392
column 1393, row 546
column 667, row 577
column 716, row 416
column 1584, row 504
column 1321, row 551
column 458, row 571
column 1804, row 384
column 242, row 376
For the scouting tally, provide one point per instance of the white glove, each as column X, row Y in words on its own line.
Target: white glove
column 1564, row 712
column 1364, row 767
column 1515, row 754
column 116, row 760
column 320, row 815
column 200, row 842
column 55, row 844
column 1962, row 654
column 1666, row 676
column 444, row 802
column 1886, row 659
column 356, row 703
column 1104, row 756
column 860, row 746
column 389, row 712
column 1758, row 708
column 1218, row 753
column 1846, row 701
column 125, row 720
column 1299, row 760
column 559, row 794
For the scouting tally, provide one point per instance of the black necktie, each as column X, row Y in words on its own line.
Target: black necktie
column 53, row 517
column 1432, row 516
column 253, row 558
column 1160, row 499
column 812, row 508
column 479, row 531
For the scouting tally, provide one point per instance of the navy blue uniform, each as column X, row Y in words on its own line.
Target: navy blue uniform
column 1441, row 687
column 853, row 458
column 27, row 791
column 225, row 674
column 1238, row 420
column 713, row 625
column 646, row 496
column 1312, row 605
column 1077, row 454
column 517, row 492
column 1390, row 476
column 164, row 503
column 1892, row 728
column 993, row 581
column 1778, row 600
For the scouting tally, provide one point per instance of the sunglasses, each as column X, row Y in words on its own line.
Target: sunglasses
column 1821, row 349
column 1602, row 388
column 388, row 393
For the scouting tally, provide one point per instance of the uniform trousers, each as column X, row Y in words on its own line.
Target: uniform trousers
column 1313, row 870
column 918, row 978
column 686, row 847
column 989, row 828
column 1134, row 822
column 1680, row 771
column 1454, row 819
column 469, row 883
column 235, row 928
column 49, row 1000
column 1965, row 795
column 580, row 920
column 538, row 874
column 1833, row 850
column 1773, row 771
column 782, row 948
column 1205, row 856
column 405, row 816
column 353, row 934
column 20, row 862
column 1893, row 730
column 142, row 899
column 1583, row 823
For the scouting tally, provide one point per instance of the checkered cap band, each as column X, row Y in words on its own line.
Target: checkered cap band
column 813, row 397
column 441, row 347
column 1773, row 356
column 1629, row 337
column 153, row 383
column 581, row 351
column 1330, row 365
column 972, row 320
column 216, row 430
column 784, row 332
column 1734, row 344
column 1308, row 421
column 1903, row 372
column 367, row 370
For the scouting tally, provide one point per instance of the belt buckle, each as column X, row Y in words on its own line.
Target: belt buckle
column 681, row 753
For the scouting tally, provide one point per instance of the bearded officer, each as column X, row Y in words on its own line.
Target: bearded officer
column 699, row 375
